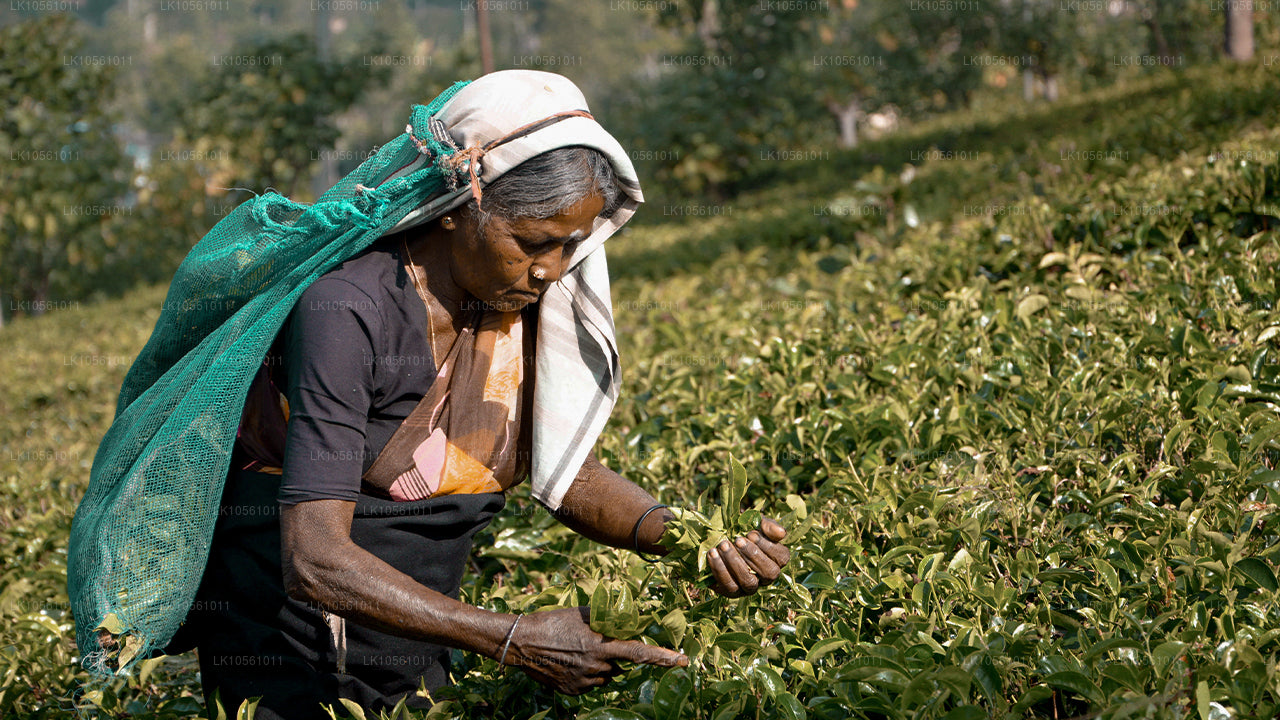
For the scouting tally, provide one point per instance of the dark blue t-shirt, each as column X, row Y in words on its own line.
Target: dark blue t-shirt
column 354, row 361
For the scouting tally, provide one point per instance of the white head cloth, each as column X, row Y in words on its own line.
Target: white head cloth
column 577, row 370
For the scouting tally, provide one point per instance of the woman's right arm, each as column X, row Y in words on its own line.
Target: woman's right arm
column 333, row 343
column 322, row 565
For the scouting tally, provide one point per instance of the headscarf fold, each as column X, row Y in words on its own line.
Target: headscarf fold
column 499, row 121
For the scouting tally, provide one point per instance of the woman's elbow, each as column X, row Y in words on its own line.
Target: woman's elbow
column 314, row 537
column 302, row 581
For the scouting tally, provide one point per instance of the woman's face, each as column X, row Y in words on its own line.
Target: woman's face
column 496, row 264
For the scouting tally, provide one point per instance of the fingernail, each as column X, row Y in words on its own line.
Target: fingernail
column 725, row 546
column 740, row 542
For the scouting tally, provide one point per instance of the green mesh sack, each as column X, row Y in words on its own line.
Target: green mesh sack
column 141, row 536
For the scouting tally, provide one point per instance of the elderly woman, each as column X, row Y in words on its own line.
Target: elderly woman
column 410, row 388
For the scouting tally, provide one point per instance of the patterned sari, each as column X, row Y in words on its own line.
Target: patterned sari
column 461, row 438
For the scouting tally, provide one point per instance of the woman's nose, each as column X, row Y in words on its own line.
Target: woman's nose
column 547, row 270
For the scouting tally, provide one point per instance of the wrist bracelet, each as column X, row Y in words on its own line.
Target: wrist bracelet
column 502, row 660
column 635, row 535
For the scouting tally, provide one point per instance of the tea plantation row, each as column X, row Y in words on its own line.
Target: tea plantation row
column 1016, row 400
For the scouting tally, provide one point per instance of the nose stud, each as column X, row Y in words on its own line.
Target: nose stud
column 539, row 273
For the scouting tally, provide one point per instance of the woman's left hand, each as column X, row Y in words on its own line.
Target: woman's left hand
column 742, row 567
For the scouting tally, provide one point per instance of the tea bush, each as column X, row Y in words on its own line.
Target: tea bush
column 1027, row 455
column 1037, row 454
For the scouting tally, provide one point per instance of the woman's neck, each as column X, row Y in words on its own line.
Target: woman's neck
column 430, row 251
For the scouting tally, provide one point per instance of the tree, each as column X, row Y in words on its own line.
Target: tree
column 262, row 117
column 764, row 79
column 1089, row 42
column 734, row 89
column 871, row 54
column 63, row 185
column 1046, row 39
column 1180, row 32
column 609, row 53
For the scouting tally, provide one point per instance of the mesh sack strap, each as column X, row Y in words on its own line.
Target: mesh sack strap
column 141, row 535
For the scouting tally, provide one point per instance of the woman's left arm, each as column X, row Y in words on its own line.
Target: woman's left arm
column 604, row 506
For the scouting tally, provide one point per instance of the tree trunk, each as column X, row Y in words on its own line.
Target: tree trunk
column 486, row 44
column 149, row 24
column 847, row 116
column 1239, row 39
column 1028, row 84
column 327, row 174
column 1161, row 45
column 709, row 26
column 39, row 296
column 1051, row 87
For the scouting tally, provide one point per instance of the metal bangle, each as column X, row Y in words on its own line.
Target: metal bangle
column 502, row 660
column 635, row 535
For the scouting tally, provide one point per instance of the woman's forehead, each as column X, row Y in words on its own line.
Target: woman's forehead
column 574, row 222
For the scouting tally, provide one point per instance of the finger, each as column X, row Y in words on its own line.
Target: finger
column 724, row 580
column 747, row 581
column 780, row 554
column 583, row 685
column 636, row 651
column 776, row 552
column 765, row 568
column 598, row 666
column 772, row 529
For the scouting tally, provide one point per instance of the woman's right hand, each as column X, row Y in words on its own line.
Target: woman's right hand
column 559, row 649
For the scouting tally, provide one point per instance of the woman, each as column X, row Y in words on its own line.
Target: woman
column 411, row 387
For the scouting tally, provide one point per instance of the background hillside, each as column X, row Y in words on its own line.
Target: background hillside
column 130, row 128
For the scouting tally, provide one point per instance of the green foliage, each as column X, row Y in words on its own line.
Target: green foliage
column 264, row 113
column 1191, row 30
column 735, row 87
column 63, row 176
column 918, row 57
column 697, row 529
column 1001, row 162
column 61, row 380
column 1088, row 45
column 758, row 81
column 71, row 224
column 1049, row 38
column 1027, row 456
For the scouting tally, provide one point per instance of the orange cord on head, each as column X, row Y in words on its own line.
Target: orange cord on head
column 471, row 156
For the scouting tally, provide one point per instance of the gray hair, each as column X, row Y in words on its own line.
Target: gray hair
column 546, row 185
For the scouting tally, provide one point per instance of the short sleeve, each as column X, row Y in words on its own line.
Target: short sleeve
column 332, row 336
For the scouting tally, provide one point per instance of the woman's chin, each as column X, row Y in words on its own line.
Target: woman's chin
column 509, row 303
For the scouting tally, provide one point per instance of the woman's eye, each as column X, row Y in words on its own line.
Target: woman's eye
column 552, row 245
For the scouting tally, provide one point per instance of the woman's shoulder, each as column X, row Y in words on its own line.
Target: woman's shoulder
column 367, row 278
column 352, row 296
